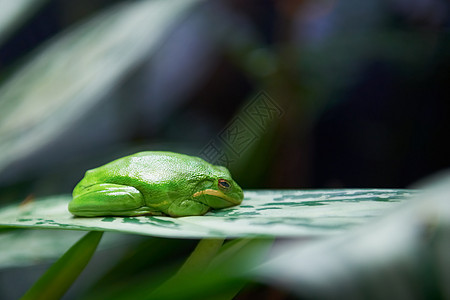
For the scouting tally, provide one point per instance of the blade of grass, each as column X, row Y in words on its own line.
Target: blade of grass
column 202, row 255
column 196, row 264
column 60, row 276
column 145, row 257
column 210, row 272
column 222, row 277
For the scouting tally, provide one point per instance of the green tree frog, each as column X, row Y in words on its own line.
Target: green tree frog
column 155, row 183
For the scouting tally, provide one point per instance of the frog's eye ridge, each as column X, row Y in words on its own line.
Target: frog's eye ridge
column 224, row 184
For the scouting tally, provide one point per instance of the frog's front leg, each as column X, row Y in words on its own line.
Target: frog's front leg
column 187, row 207
column 108, row 200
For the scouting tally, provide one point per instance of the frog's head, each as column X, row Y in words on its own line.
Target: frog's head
column 220, row 191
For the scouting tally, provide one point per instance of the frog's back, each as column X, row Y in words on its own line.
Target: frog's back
column 152, row 168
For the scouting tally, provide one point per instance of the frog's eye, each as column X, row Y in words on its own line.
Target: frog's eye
column 224, row 184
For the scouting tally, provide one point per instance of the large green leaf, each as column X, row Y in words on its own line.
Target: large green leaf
column 284, row 213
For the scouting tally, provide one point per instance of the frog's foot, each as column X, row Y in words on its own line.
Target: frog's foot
column 109, row 200
column 187, row 208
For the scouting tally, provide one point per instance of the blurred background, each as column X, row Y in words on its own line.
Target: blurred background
column 361, row 89
column 287, row 94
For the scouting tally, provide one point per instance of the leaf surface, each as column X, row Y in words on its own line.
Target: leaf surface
column 281, row 213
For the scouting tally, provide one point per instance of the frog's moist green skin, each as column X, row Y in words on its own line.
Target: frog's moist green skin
column 155, row 183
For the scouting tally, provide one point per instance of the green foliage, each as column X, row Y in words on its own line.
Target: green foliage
column 58, row 279
column 154, row 269
column 403, row 255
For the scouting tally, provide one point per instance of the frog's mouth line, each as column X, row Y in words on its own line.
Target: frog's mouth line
column 217, row 194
